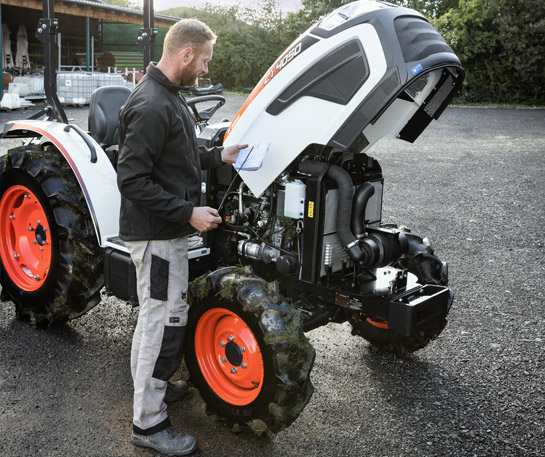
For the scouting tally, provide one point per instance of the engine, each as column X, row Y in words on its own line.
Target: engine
column 310, row 216
column 318, row 222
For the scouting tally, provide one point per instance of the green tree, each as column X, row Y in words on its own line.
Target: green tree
column 249, row 40
column 124, row 3
column 429, row 8
column 501, row 44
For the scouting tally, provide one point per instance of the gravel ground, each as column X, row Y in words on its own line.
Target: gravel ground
column 474, row 183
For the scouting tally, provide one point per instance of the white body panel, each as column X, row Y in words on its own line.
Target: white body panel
column 398, row 113
column 98, row 180
column 284, row 130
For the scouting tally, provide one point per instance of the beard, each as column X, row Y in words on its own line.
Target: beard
column 188, row 76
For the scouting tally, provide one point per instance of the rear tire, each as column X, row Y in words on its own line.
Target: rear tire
column 51, row 264
column 246, row 351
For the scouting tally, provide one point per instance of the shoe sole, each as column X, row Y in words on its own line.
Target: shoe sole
column 135, row 440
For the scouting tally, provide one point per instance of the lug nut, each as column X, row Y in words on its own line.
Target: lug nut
column 16, row 256
column 223, row 360
column 12, row 217
column 36, row 276
column 231, row 338
column 38, row 222
column 41, row 248
column 243, row 365
column 222, row 343
column 242, row 348
column 233, row 370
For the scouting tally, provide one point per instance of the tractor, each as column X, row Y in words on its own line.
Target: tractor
column 302, row 243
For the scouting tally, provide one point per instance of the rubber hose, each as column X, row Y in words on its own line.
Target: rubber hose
column 344, row 208
column 312, row 168
column 359, row 204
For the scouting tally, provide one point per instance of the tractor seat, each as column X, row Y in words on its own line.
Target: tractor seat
column 104, row 109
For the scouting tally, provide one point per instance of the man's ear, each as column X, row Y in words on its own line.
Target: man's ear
column 187, row 55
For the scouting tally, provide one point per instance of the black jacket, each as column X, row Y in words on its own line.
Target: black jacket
column 159, row 165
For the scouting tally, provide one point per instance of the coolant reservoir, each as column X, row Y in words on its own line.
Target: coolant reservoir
column 294, row 205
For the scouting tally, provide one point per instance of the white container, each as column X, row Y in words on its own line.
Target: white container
column 18, row 88
column 10, row 101
column 294, row 205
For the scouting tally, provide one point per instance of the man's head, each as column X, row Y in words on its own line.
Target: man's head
column 187, row 50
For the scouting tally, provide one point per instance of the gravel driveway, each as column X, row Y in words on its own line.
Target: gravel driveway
column 474, row 182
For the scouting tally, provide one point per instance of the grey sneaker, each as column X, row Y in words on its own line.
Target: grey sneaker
column 169, row 442
column 175, row 391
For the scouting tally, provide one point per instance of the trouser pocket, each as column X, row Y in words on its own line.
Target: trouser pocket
column 159, row 274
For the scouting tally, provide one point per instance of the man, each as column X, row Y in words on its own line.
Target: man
column 159, row 177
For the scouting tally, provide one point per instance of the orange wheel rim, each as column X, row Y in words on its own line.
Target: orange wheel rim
column 383, row 325
column 229, row 356
column 25, row 238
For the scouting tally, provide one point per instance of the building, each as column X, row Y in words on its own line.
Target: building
column 91, row 33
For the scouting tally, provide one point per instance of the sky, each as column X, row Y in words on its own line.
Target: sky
column 285, row 5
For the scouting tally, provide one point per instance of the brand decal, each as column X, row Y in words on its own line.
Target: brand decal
column 281, row 63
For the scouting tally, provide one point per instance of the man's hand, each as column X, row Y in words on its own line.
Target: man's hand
column 230, row 153
column 204, row 218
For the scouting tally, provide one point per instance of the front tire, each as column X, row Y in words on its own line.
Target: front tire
column 51, row 263
column 380, row 336
column 246, row 351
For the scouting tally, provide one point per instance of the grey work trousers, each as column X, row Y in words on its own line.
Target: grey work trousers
column 162, row 277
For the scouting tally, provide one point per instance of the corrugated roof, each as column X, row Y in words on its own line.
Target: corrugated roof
column 104, row 5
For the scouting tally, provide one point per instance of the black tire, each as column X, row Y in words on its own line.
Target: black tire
column 72, row 284
column 287, row 354
column 389, row 341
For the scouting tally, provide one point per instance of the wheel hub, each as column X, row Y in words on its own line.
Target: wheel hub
column 24, row 245
column 234, row 354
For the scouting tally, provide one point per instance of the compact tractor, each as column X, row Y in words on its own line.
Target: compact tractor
column 302, row 242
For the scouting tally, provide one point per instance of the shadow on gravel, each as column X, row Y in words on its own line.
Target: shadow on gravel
column 437, row 410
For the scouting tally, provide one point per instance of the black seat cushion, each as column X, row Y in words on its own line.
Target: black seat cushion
column 104, row 109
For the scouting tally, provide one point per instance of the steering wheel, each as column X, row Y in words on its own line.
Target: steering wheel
column 203, row 116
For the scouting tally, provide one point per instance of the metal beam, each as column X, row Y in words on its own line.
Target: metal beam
column 94, row 12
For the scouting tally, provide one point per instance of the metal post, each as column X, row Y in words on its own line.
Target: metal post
column 47, row 34
column 88, row 40
column 60, row 50
column 146, row 35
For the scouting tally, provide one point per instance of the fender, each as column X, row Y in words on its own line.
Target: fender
column 98, row 179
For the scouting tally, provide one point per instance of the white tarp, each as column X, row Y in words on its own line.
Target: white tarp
column 7, row 56
column 22, row 60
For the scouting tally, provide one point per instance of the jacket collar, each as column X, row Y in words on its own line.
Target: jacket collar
column 160, row 77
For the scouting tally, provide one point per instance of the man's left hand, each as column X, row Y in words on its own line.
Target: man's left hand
column 230, row 153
